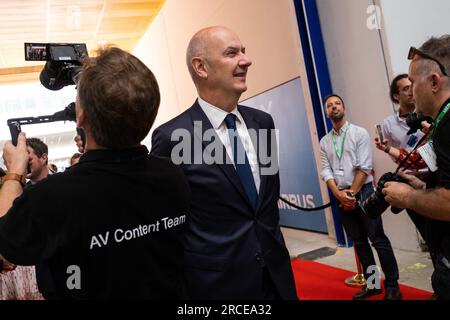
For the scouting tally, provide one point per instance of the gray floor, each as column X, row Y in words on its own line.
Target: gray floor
column 415, row 267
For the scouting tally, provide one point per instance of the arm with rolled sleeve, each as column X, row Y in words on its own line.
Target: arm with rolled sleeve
column 327, row 172
column 364, row 160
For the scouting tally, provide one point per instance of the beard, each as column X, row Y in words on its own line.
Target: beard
column 337, row 118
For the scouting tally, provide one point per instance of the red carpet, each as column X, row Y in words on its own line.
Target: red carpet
column 316, row 281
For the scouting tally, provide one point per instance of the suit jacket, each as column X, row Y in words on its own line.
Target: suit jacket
column 228, row 242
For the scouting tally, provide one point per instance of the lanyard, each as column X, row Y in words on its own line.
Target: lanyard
column 441, row 115
column 340, row 151
column 438, row 119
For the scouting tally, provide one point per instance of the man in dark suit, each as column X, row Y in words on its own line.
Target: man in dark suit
column 234, row 248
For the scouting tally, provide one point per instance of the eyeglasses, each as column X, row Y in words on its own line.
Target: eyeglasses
column 413, row 51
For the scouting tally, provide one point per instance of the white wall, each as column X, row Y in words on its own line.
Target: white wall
column 409, row 23
column 267, row 29
column 359, row 73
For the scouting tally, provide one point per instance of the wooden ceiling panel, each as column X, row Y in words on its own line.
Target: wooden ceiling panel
column 119, row 22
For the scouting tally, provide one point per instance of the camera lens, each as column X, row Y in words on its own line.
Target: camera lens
column 374, row 205
column 49, row 76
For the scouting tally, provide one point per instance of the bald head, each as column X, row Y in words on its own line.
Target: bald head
column 218, row 65
column 198, row 46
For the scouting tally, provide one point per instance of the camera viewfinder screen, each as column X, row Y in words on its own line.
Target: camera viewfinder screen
column 36, row 52
column 63, row 53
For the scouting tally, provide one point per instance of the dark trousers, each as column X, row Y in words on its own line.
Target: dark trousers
column 440, row 278
column 420, row 222
column 361, row 228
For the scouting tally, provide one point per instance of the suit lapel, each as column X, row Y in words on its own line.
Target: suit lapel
column 201, row 124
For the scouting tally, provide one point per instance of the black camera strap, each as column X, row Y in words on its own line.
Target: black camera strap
column 329, row 204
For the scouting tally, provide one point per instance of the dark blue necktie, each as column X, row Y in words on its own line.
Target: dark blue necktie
column 241, row 162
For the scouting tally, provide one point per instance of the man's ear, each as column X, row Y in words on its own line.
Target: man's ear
column 200, row 68
column 396, row 97
column 45, row 157
column 436, row 82
column 81, row 117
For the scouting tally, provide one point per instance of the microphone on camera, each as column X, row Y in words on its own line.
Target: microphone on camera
column 68, row 114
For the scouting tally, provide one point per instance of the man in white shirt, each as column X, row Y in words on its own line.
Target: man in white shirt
column 395, row 127
column 346, row 168
column 395, row 134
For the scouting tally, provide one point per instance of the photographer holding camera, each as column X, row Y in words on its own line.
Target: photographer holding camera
column 347, row 165
column 124, row 240
column 429, row 74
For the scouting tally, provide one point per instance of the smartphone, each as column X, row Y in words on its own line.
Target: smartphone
column 379, row 132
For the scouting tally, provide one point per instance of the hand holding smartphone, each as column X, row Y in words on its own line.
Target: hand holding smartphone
column 379, row 130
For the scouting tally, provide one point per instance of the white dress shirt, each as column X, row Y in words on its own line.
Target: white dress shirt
column 356, row 154
column 395, row 129
column 217, row 118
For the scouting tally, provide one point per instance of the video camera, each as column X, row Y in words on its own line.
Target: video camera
column 63, row 62
column 62, row 68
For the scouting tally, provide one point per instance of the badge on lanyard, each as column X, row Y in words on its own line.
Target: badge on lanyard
column 429, row 156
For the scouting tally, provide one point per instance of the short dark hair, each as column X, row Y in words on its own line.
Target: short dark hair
column 394, row 89
column 333, row 95
column 120, row 97
column 38, row 146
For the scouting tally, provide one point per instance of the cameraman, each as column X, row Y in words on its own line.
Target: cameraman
column 124, row 240
column 429, row 74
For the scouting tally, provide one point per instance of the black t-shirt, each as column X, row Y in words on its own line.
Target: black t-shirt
column 110, row 227
column 439, row 231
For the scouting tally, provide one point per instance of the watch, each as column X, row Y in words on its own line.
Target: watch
column 14, row 176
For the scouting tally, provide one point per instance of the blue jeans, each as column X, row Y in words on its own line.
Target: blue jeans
column 361, row 228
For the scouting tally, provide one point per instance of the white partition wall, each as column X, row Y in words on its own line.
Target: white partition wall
column 409, row 23
column 268, row 31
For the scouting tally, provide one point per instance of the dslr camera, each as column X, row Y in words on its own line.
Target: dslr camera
column 63, row 62
column 375, row 204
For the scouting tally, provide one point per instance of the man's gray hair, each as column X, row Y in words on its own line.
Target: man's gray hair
column 439, row 49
